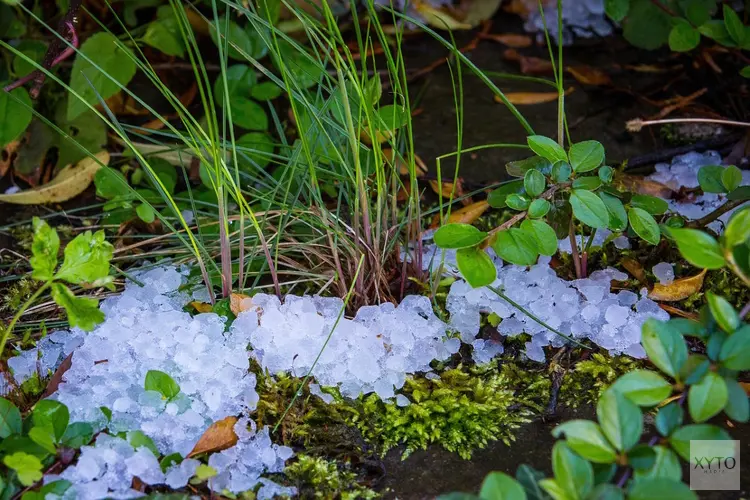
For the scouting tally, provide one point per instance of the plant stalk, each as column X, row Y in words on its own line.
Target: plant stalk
column 20, row 312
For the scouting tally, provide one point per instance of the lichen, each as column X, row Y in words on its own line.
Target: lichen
column 586, row 381
column 317, row 477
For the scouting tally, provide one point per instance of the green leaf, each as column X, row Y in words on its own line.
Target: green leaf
column 516, row 246
column 561, row 171
column 266, row 91
column 498, row 197
column 307, row 70
column 643, row 387
column 745, row 72
column 659, row 488
column 586, row 156
column 55, row 488
column 546, row 148
column 585, row 438
column 500, row 486
column 529, row 479
column 204, row 472
column 680, row 439
column 715, row 30
column 517, row 202
column 735, row 352
column 239, row 43
column 666, row 465
column 44, row 438
column 539, row 209
column 476, row 266
column 534, row 183
column 734, row 25
column 665, row 346
column 138, row 439
column 145, row 213
column 518, row 168
column 391, row 117
column 651, row 204
column 617, row 9
column 254, row 151
column 709, row 178
column 240, row 80
column 698, row 248
column 618, row 218
column 10, row 419
column 738, row 404
column 644, row 225
column 694, row 369
column 248, row 114
column 458, row 236
column 164, row 33
column 51, row 414
column 553, row 490
column 86, row 259
column 738, row 228
column 28, row 468
column 641, row 457
column 34, row 50
column 161, row 383
column 44, row 250
column 707, row 398
column 621, row 420
column 683, row 36
column 573, row 474
column 544, row 235
column 606, row 492
column 589, row 209
column 590, row 183
column 731, row 178
column 116, row 69
column 77, row 434
column 15, row 114
column 646, row 26
column 170, row 460
column 741, row 193
column 606, row 174
column 698, row 12
column 82, row 312
column 110, row 183
column 723, row 312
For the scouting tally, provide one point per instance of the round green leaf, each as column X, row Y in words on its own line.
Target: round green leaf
column 145, row 213
column 606, row 174
column 680, row 439
column 547, row 148
column 538, row 208
column 458, row 236
column 28, row 468
column 391, row 117
column 618, row 217
column 683, row 37
column 738, row 228
column 586, row 156
column 34, row 50
column 516, row 246
column 723, row 312
column 617, row 9
column 517, row 202
column 248, row 114
column 585, row 438
column 666, row 465
column 643, row 387
column 573, row 474
column 544, row 235
column 500, row 486
column 738, row 404
column 51, row 414
column 162, row 383
column 518, row 168
column 735, row 352
column 669, row 418
column 254, row 151
column 240, row 43
column 561, row 171
column 534, row 183
column 734, row 25
column 589, row 183
column 646, row 26
column 659, row 488
column 15, row 114
column 10, row 419
column 266, row 91
column 665, row 346
column 651, row 204
column 644, row 225
column 620, row 419
column 164, row 34
column 589, row 209
column 240, row 80
column 709, row 178
column 698, row 248
column 731, row 178
column 707, row 398
column 476, row 266
column 498, row 197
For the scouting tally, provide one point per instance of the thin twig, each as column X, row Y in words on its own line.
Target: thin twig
column 708, row 219
column 637, row 124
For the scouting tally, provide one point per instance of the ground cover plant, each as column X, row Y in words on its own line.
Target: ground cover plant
column 268, row 290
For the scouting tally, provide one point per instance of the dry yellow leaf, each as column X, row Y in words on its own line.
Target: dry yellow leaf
column 239, row 302
column 69, row 183
column 679, row 289
column 470, row 213
column 589, row 76
column 201, row 307
column 640, row 185
column 438, row 18
column 219, row 436
column 635, row 268
column 531, row 97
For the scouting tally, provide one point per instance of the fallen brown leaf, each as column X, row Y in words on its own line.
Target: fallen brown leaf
column 679, row 312
column 635, row 268
column 531, row 97
column 638, row 184
column 239, row 302
column 513, row 40
column 529, row 65
column 219, row 436
column 201, row 307
column 679, row 289
column 54, row 382
column 590, row 76
column 448, row 190
column 469, row 213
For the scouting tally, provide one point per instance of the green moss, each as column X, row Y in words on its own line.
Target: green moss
column 461, row 411
column 316, row 477
column 589, row 378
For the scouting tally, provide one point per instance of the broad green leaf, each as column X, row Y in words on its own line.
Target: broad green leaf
column 110, row 183
column 538, row 209
column 618, row 217
column 458, row 236
column 723, row 312
column 586, row 156
column 547, row 148
column 731, row 178
column 646, row 26
column 589, row 183
column 10, row 419
column 573, row 474
column 165, row 172
column 617, row 9
column 476, row 266
column 161, row 383
column 666, row 465
column 15, row 114
column 745, row 72
column 738, row 404
column 665, row 347
column 391, row 118
column 643, row 387
column 606, row 492
column 266, row 91
column 698, row 248
column 82, row 312
column 44, row 438
column 620, row 419
column 585, row 438
column 248, row 114
column 680, row 439
column 44, row 250
column 86, row 134
column 34, row 50
column 107, row 69
column 698, row 12
column 145, row 213
column 518, row 168
column 683, row 37
column 86, row 259
column 589, row 209
column 641, row 457
column 254, row 151
column 498, row 197
column 554, row 490
column 651, row 204
column 644, row 225
column 694, row 369
column 240, row 80
column 529, row 479
column 534, row 183
column 239, row 43
column 516, row 246
column 500, row 486
column 707, row 398
column 28, row 468
column 164, row 33
column 51, row 414
column 561, row 171
column 55, row 488
column 734, row 25
column 715, row 30
column 709, row 178
column 306, row 69
column 715, row 343
column 606, row 174
column 77, row 434
column 738, row 228
column 138, row 439
column 517, row 202
column 735, row 352
column 544, row 235
column 659, row 488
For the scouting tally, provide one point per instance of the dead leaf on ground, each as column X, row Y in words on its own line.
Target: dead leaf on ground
column 6, row 156
column 478, row 11
column 590, row 76
column 449, row 190
column 54, row 382
column 641, row 185
column 679, row 312
column 439, row 18
column 512, row 40
column 239, row 302
column 201, row 307
column 652, row 68
column 530, row 65
column 69, row 183
column 219, row 436
column 679, row 289
column 469, row 213
column 635, row 269
column 124, row 104
column 531, row 97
